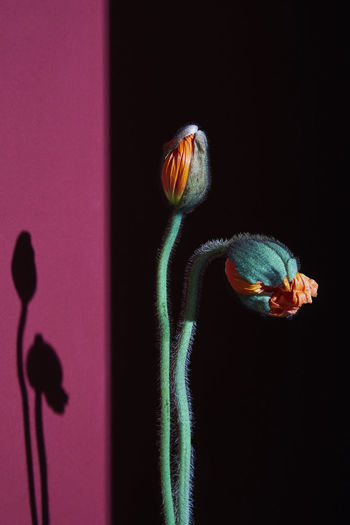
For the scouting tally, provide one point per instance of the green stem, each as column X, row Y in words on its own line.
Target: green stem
column 162, row 301
column 205, row 254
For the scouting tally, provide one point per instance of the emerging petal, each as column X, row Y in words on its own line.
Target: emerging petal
column 239, row 284
column 176, row 168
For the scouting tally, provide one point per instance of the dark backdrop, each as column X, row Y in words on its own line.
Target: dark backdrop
column 257, row 79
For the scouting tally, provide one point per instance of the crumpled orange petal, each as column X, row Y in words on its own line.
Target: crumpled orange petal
column 284, row 303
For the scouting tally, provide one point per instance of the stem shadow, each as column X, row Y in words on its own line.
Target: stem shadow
column 24, row 278
column 44, row 371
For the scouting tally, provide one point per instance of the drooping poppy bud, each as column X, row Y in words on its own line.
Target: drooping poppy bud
column 185, row 172
column 264, row 273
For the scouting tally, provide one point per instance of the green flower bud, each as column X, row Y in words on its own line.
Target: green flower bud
column 264, row 273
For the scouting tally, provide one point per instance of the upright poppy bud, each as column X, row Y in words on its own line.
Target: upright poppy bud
column 185, row 172
column 265, row 275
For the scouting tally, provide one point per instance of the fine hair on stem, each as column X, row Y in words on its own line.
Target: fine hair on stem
column 180, row 373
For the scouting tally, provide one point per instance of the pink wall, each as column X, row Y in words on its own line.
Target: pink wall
column 53, row 184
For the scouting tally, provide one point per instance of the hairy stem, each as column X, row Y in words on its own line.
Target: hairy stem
column 205, row 254
column 162, row 303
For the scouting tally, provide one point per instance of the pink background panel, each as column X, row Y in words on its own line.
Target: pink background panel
column 53, row 184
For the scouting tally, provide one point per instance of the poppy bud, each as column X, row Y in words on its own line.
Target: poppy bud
column 185, row 172
column 265, row 275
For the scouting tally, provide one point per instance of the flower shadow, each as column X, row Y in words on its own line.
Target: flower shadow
column 44, row 372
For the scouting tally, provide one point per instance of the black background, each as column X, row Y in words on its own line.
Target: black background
column 256, row 77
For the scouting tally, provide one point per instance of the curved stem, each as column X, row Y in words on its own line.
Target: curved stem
column 197, row 263
column 42, row 457
column 162, row 303
column 25, row 408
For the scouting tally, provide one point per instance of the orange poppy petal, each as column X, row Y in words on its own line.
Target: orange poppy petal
column 176, row 169
column 239, row 284
column 302, row 289
column 186, row 148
